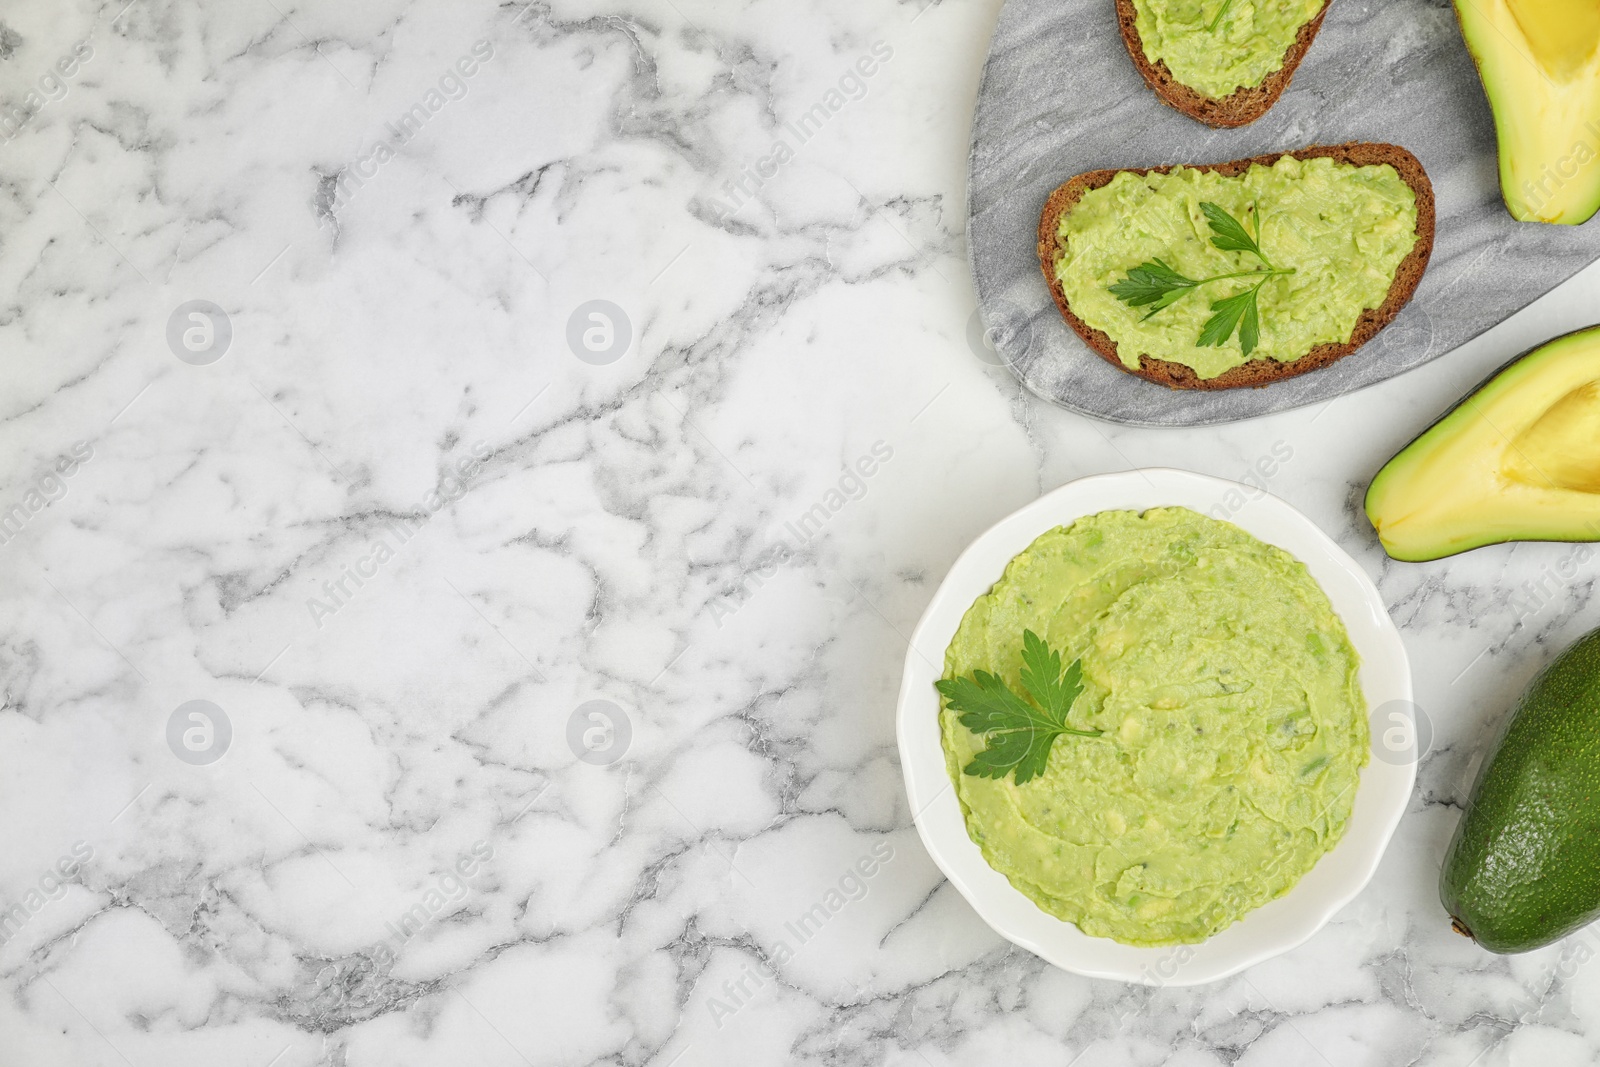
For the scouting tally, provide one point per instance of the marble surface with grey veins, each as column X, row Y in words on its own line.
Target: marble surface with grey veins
column 1055, row 102
column 467, row 471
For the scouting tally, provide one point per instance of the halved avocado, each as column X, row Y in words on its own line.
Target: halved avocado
column 1540, row 65
column 1518, row 459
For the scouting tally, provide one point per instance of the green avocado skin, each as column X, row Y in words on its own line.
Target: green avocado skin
column 1524, row 867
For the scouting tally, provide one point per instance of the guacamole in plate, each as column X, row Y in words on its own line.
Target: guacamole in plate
column 1234, row 729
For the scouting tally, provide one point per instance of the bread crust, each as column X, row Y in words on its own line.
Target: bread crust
column 1239, row 108
column 1262, row 371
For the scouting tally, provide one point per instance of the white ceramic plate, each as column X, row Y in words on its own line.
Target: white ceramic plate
column 1276, row 927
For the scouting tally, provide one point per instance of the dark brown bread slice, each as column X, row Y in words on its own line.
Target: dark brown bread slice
column 1239, row 108
column 1255, row 372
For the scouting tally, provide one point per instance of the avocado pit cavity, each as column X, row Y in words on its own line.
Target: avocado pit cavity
column 1561, row 447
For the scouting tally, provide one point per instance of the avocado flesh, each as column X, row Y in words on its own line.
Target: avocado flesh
column 1517, row 460
column 1540, row 65
column 1523, row 869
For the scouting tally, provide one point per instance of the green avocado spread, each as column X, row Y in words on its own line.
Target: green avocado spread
column 1217, row 47
column 1342, row 229
column 1234, row 729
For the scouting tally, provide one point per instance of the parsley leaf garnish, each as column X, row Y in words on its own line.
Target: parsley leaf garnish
column 1152, row 283
column 1018, row 735
column 1250, row 325
column 1227, row 314
column 1157, row 284
column 1228, row 233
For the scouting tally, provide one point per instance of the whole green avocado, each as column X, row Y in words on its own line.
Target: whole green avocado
column 1524, row 867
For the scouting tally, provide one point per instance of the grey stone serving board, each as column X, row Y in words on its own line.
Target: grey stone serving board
column 1059, row 96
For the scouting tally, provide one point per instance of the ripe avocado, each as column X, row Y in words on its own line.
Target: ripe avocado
column 1524, row 867
column 1518, row 459
column 1541, row 72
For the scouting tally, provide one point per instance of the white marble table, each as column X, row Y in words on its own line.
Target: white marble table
column 372, row 508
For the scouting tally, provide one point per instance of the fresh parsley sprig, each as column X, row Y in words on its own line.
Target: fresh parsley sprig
column 1229, row 234
column 1156, row 284
column 1017, row 734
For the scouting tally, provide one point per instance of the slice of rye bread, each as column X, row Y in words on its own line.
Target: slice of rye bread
column 1238, row 108
column 1255, row 372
